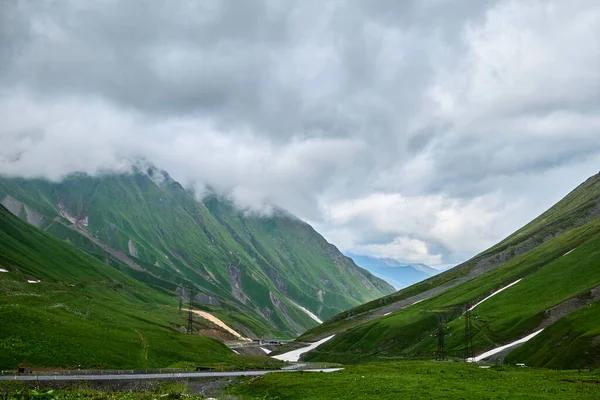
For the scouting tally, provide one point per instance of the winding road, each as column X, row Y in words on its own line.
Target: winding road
column 182, row 375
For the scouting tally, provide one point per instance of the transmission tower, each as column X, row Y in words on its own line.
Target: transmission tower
column 190, row 328
column 441, row 335
column 469, row 353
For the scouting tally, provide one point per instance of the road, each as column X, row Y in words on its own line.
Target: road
column 182, row 375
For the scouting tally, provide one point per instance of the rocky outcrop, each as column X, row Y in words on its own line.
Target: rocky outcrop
column 33, row 217
column 279, row 306
column 236, row 284
column 13, row 205
column 569, row 306
column 81, row 221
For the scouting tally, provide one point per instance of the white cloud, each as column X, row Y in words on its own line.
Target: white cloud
column 427, row 130
column 402, row 248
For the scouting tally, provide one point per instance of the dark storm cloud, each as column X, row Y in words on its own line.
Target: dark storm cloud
column 435, row 114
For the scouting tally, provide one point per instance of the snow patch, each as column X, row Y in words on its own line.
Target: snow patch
column 386, row 314
column 267, row 351
column 3, row 270
column 294, row 355
column 496, row 292
column 568, row 252
column 132, row 249
column 32, row 281
column 307, row 312
column 502, row 348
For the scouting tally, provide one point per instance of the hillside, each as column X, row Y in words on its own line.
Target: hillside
column 262, row 275
column 552, row 264
column 62, row 308
column 397, row 274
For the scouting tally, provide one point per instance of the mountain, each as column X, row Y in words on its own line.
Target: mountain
column 541, row 283
column 397, row 274
column 265, row 276
column 61, row 307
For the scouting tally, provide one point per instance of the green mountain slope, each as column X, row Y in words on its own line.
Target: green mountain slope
column 83, row 312
column 554, row 261
column 253, row 272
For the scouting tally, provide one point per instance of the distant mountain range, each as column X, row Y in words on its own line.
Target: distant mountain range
column 394, row 272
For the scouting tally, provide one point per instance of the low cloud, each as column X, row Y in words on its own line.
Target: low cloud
column 423, row 131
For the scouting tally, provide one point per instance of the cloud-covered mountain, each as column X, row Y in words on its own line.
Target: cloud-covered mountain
column 259, row 271
column 419, row 129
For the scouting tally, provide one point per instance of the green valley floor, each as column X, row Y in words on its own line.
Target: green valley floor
column 382, row 380
column 424, row 380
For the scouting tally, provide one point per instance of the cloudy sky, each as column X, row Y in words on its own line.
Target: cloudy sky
column 420, row 130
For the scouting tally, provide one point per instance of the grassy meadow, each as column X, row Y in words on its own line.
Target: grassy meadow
column 423, row 380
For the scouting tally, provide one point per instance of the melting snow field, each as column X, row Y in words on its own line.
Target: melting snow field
column 501, row 348
column 294, row 355
column 495, row 293
column 307, row 312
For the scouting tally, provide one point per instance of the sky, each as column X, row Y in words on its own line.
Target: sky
column 422, row 130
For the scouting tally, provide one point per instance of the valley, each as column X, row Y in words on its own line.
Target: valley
column 264, row 276
column 529, row 289
column 62, row 302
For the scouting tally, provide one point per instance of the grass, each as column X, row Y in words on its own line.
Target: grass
column 575, row 209
column 423, row 380
column 549, row 277
column 87, row 313
column 511, row 314
column 572, row 340
column 163, row 390
column 181, row 240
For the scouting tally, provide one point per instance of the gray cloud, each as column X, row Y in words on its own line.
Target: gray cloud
column 424, row 128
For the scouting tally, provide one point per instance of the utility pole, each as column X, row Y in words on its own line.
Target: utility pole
column 469, row 353
column 441, row 335
column 190, row 328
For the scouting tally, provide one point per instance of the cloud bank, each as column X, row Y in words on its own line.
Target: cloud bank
column 419, row 130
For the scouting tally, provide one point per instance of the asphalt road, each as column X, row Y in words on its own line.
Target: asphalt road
column 182, row 375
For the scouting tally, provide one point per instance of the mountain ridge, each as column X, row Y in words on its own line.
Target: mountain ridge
column 550, row 271
column 258, row 272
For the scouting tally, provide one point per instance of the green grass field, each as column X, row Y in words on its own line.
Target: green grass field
column 86, row 313
column 424, row 380
column 158, row 390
